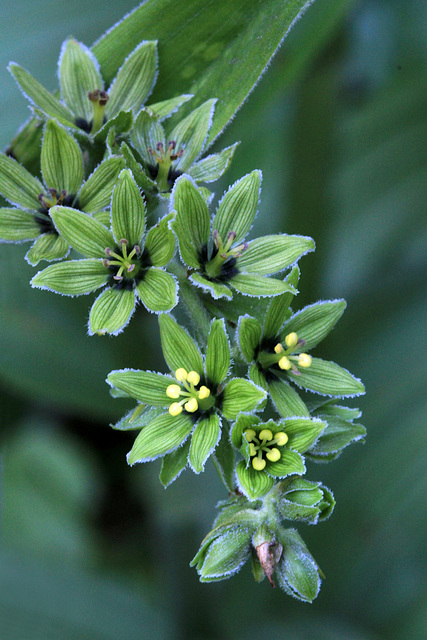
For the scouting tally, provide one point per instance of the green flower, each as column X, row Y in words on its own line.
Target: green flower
column 194, row 400
column 165, row 152
column 278, row 351
column 124, row 259
column 63, row 183
column 215, row 252
column 271, row 450
column 86, row 104
column 304, row 501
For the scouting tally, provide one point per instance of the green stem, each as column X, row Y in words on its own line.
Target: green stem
column 195, row 308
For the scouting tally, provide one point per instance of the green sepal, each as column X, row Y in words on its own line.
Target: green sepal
column 203, row 441
column 214, row 166
column 271, row 254
column 164, row 434
column 18, row 185
column 104, row 217
column 146, row 133
column 224, row 459
column 313, row 323
column 134, row 80
column 243, row 422
column 111, row 311
column 328, row 407
column 142, row 180
column 237, row 208
column 260, row 286
column 48, row 246
column 127, row 210
column 290, row 463
column 226, row 554
column 145, row 386
column 328, row 379
column 286, row 400
column 158, row 291
column 61, row 160
column 191, row 134
column 160, row 242
column 217, row 352
column 297, row 572
column 249, row 337
column 78, row 74
column 173, row 464
column 216, row 289
column 254, row 484
column 240, row 395
column 96, row 192
column 179, row 350
column 72, row 278
column 303, row 433
column 85, row 234
column 279, row 306
column 192, row 222
column 166, row 108
column 338, row 434
column 305, row 501
column 258, row 377
column 120, row 124
column 137, row 418
column 17, row 225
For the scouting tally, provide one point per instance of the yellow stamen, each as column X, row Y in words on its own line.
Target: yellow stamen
column 258, row 464
column 173, row 391
column 191, row 406
column 281, row 438
column 304, row 360
column 193, row 378
column 278, row 348
column 285, row 363
column 291, row 339
column 266, row 434
column 204, row 392
column 175, row 409
column 250, row 434
column 252, row 450
column 273, row 455
column 181, row 375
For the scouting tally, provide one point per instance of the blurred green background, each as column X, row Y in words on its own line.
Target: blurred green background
column 92, row 549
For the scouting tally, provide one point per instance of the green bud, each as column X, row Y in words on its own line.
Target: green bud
column 302, row 500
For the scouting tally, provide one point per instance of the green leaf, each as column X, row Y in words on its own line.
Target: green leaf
column 146, row 133
column 259, row 286
column 240, row 395
column 214, row 166
column 297, row 572
column 127, row 210
column 17, row 225
column 254, row 484
column 96, row 192
column 145, row 386
column 166, row 108
column 279, row 306
column 272, row 254
column 203, row 441
column 313, row 323
column 287, row 401
column 328, row 378
column 72, row 278
column 111, row 311
column 160, row 242
column 216, row 289
column 134, row 80
column 78, row 75
column 191, row 132
column 48, row 246
column 18, row 185
column 192, row 222
column 173, row 464
column 237, row 209
column 217, row 352
column 164, row 434
column 302, row 433
column 85, row 234
column 179, row 350
column 61, row 160
column 157, row 290
column 290, row 463
column 249, row 337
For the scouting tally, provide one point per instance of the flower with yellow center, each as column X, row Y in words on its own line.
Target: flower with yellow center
column 192, row 397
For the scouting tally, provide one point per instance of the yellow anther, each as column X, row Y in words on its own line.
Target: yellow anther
column 266, row 434
column 304, row 360
column 193, row 378
column 281, row 438
column 285, row 363
column 278, row 348
column 173, row 391
column 250, row 434
column 191, row 406
column 252, row 450
column 273, row 455
column 175, row 409
column 258, row 464
column 204, row 392
column 181, row 375
column 291, row 339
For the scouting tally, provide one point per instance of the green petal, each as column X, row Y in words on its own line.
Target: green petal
column 337, row 435
column 111, row 311
column 249, row 337
column 297, row 572
column 18, row 185
column 254, row 484
column 237, row 209
column 78, row 74
column 166, row 108
column 173, row 464
column 272, row 254
column 214, row 166
column 142, row 180
column 160, row 242
column 179, row 350
column 190, row 134
column 158, row 290
column 85, row 234
column 41, row 97
column 302, row 433
column 259, row 286
column 216, row 289
column 224, row 459
column 127, row 210
column 96, row 192
column 192, row 222
column 61, row 159
column 145, row 386
column 258, row 377
column 217, row 353
column 162, row 435
column 313, row 323
column 328, row 379
column 279, row 306
column 146, row 133
column 120, row 124
column 138, row 418
column 240, row 395
column 134, row 80
column 243, row 422
column 48, row 247
column 287, row 401
column 226, row 554
column 104, row 217
column 17, row 225
column 72, row 278
column 203, row 442
column 290, row 463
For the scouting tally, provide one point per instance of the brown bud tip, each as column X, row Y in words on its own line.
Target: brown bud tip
column 172, row 144
column 269, row 554
column 103, row 98
column 108, row 251
column 93, row 95
column 123, row 241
